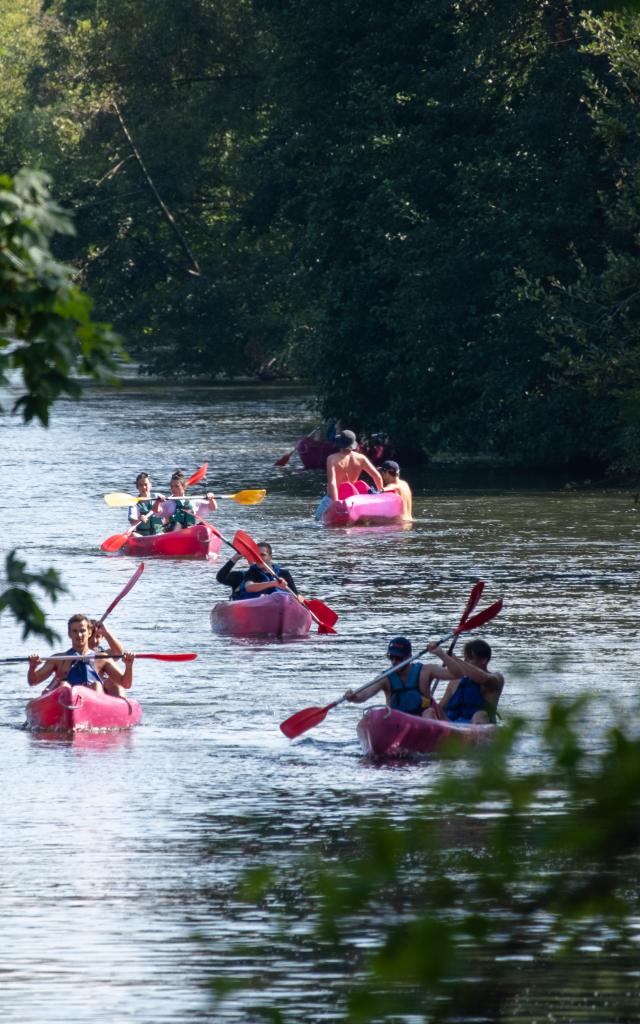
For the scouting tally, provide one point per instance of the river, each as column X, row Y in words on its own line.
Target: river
column 121, row 852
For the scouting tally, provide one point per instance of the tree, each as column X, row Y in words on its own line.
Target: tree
column 48, row 340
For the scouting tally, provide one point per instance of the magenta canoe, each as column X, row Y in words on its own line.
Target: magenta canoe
column 81, row 709
column 276, row 614
column 313, row 454
column 361, row 509
column 199, row 541
column 384, row 732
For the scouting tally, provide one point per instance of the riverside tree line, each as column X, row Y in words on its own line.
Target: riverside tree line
column 430, row 209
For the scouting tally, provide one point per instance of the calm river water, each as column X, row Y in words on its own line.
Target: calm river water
column 120, row 853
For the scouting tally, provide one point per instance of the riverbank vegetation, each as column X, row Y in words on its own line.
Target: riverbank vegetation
column 431, row 209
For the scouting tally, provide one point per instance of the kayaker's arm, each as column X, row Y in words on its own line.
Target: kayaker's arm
column 459, row 667
column 359, row 696
column 226, row 576
column 35, row 675
column 370, row 470
column 286, row 575
column 115, row 647
column 113, row 673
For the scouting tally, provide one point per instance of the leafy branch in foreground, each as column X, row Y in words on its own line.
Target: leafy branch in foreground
column 46, row 329
column 499, row 876
column 18, row 599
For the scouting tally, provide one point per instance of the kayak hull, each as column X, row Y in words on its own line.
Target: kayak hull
column 72, row 709
column 313, row 454
column 364, row 509
column 199, row 541
column 384, row 732
column 277, row 614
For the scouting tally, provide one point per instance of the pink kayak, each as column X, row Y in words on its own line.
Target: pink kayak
column 81, row 709
column 384, row 732
column 275, row 614
column 199, row 541
column 362, row 509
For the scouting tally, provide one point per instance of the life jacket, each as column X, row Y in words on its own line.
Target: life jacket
column 82, row 673
column 466, row 701
column 183, row 514
column 153, row 524
column 405, row 693
column 241, row 593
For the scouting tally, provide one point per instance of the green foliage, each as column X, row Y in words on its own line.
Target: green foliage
column 18, row 599
column 497, row 877
column 46, row 330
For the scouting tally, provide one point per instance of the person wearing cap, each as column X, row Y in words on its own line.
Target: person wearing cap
column 407, row 688
column 348, row 465
column 390, row 472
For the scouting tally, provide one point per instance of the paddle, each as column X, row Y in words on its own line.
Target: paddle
column 125, row 590
column 324, row 616
column 306, row 719
column 284, row 459
column 113, row 657
column 474, row 597
column 118, row 499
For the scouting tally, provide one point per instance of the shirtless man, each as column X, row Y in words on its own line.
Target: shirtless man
column 72, row 672
column 390, row 471
column 347, row 465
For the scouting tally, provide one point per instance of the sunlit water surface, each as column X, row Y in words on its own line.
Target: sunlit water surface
column 121, row 852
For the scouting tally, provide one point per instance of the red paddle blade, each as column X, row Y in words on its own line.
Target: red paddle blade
column 125, row 590
column 169, row 657
column 304, row 720
column 321, row 610
column 474, row 597
column 324, row 628
column 484, row 616
column 283, row 460
column 246, row 546
column 114, row 543
column 198, row 475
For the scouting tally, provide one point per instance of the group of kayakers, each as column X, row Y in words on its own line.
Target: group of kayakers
column 472, row 691
column 153, row 514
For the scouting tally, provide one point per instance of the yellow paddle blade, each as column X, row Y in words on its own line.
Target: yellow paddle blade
column 247, row 497
column 117, row 499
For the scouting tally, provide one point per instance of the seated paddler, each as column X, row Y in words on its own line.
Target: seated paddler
column 406, row 687
column 473, row 693
column 344, row 470
column 81, row 664
column 256, row 580
column 141, row 515
column 179, row 512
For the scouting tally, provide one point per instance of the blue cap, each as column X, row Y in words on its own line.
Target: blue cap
column 399, row 647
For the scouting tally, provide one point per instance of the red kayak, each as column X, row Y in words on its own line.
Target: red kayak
column 275, row 614
column 199, row 541
column 81, row 709
column 384, row 732
column 313, row 454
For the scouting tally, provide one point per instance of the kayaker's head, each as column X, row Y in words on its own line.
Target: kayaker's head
column 477, row 652
column 143, row 483
column 266, row 552
column 79, row 629
column 399, row 649
column 346, row 439
column 177, row 483
column 389, row 471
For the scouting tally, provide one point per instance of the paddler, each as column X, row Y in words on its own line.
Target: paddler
column 255, row 581
column 346, row 466
column 472, row 695
column 100, row 673
column 390, row 472
column 179, row 512
column 141, row 515
column 406, row 689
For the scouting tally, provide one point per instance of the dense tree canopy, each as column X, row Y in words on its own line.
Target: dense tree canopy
column 430, row 209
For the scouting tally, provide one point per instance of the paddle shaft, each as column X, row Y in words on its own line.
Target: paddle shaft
column 112, row 657
column 125, row 590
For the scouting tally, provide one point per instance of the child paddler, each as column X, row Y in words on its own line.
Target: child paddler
column 179, row 512
column 406, row 689
column 141, row 515
column 100, row 673
column 255, row 581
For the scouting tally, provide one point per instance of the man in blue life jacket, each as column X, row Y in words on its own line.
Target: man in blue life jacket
column 473, row 692
column 255, row 581
column 406, row 689
column 99, row 672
